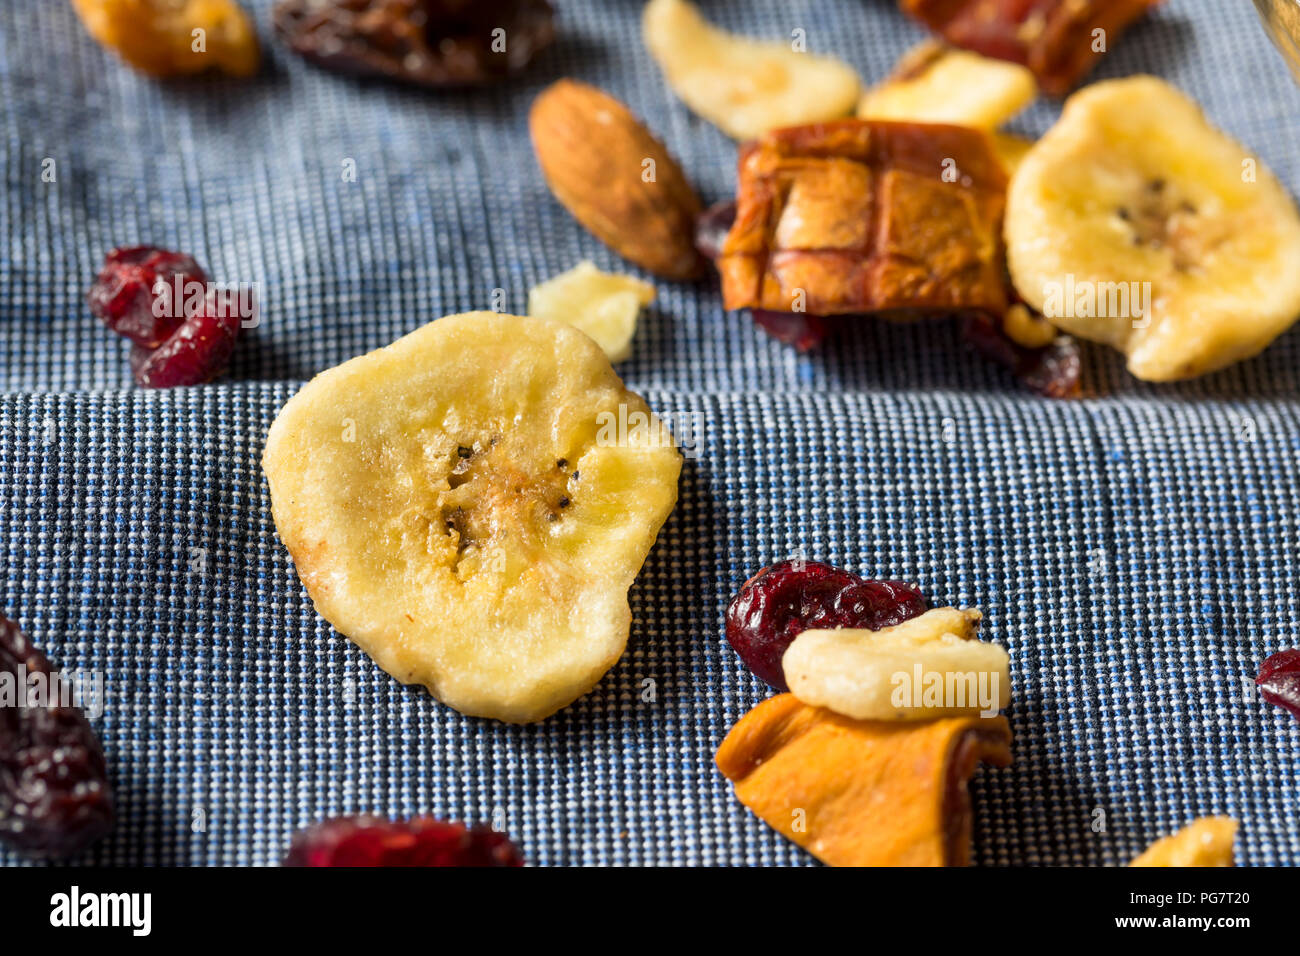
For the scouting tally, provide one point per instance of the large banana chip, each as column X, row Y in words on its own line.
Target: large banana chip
column 470, row 505
column 1136, row 223
column 744, row 86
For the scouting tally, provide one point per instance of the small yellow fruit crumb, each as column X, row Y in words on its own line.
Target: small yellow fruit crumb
column 1203, row 842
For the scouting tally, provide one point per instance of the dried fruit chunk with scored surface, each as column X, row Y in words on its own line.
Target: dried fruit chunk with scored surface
column 862, row 792
column 434, row 43
column 470, row 506
column 422, row 841
column 615, row 178
column 1135, row 223
column 742, row 85
column 945, row 670
column 1204, row 842
column 602, row 304
column 1056, row 39
column 175, row 37
column 859, row 216
column 55, row 798
column 935, row 84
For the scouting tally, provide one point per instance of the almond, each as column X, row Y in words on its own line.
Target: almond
column 616, row 178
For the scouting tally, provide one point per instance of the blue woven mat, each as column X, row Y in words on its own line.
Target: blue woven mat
column 1136, row 552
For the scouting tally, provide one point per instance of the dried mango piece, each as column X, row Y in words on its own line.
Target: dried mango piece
column 174, row 37
column 860, row 216
column 862, row 792
column 1059, row 40
column 1203, row 842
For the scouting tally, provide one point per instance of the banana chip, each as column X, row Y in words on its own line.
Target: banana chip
column 1136, row 223
column 470, row 505
column 934, row 84
column 743, row 86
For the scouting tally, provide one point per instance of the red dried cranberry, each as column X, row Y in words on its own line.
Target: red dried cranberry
column 1054, row 371
column 134, row 293
column 800, row 329
column 1279, row 680
column 422, row 841
column 782, row 601
column 55, row 799
column 197, row 352
column 712, row 226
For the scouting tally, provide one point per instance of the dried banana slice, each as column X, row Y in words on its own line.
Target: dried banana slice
column 741, row 85
column 1136, row 223
column 930, row 666
column 470, row 505
column 936, row 84
column 862, row 792
column 605, row 305
column 1203, row 842
column 175, row 37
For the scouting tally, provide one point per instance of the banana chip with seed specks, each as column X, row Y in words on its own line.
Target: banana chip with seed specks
column 470, row 505
column 1136, row 223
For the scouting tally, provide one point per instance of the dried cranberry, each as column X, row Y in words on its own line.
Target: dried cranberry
column 712, row 226
column 422, row 841
column 800, row 329
column 782, row 601
column 437, row 43
column 55, row 798
column 1279, row 680
column 197, row 352
column 1054, row 371
column 134, row 293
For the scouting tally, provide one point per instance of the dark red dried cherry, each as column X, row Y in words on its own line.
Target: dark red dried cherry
column 134, row 292
column 55, row 798
column 780, row 602
column 422, row 841
column 1054, row 371
column 1279, row 680
column 197, row 352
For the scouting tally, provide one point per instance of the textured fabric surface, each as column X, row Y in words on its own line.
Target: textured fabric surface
column 1137, row 552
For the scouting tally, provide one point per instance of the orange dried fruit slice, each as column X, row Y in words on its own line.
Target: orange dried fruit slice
column 1203, row 842
column 862, row 792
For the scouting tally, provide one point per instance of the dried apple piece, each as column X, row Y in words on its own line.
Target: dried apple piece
column 862, row 792
column 1059, row 40
column 1203, row 842
column 860, row 216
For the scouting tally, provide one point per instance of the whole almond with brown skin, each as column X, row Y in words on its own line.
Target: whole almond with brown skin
column 593, row 153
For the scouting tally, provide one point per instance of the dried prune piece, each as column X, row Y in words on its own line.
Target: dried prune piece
column 782, row 601
column 422, row 841
column 1054, row 371
column 55, row 798
column 435, row 43
column 196, row 353
column 134, row 293
column 1279, row 680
